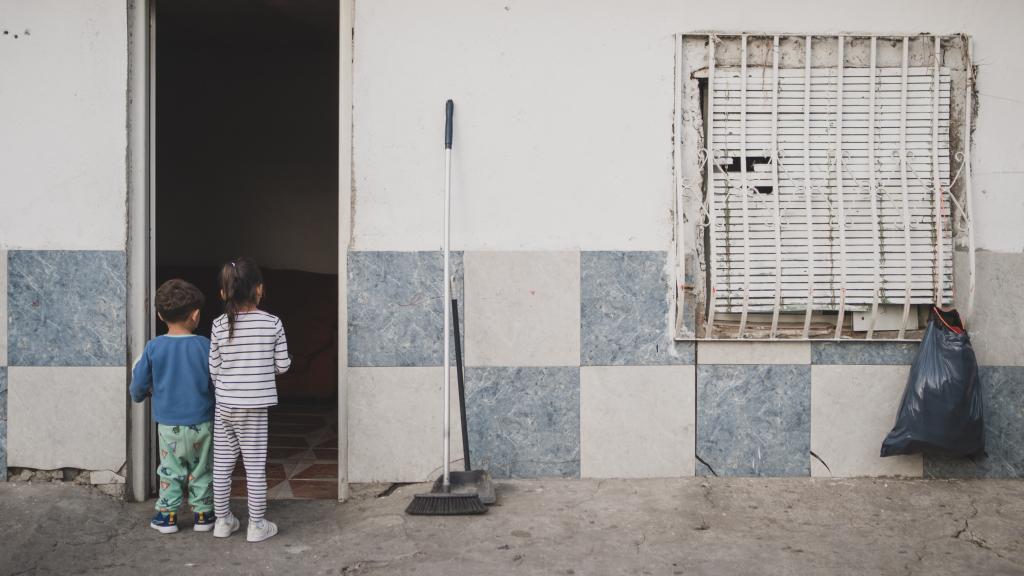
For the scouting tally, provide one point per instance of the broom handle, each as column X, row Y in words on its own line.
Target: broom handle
column 462, row 382
column 449, row 109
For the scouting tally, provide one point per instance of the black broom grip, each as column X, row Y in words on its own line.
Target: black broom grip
column 462, row 384
column 449, row 111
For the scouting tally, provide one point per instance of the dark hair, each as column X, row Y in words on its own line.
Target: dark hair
column 239, row 281
column 176, row 299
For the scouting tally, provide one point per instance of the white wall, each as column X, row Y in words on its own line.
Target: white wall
column 564, row 113
column 63, row 136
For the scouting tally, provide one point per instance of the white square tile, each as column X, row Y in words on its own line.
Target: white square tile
column 998, row 305
column 637, row 421
column 66, row 417
column 753, row 352
column 395, row 424
column 522, row 308
column 852, row 410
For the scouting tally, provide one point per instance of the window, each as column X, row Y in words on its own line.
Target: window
column 820, row 187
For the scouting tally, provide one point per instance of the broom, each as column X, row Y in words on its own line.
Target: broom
column 441, row 501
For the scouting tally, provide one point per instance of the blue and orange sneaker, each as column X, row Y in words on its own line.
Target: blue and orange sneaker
column 203, row 521
column 165, row 522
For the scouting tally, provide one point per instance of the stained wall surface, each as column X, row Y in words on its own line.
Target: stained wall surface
column 63, row 102
column 562, row 226
column 563, row 192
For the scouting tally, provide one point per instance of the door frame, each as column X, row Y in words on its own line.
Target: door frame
column 141, row 172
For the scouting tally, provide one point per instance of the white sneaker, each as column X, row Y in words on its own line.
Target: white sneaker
column 260, row 530
column 226, row 526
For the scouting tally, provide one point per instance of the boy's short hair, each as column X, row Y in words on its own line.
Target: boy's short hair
column 176, row 299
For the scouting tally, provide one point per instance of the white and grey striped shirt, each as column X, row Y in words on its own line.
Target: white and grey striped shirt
column 243, row 367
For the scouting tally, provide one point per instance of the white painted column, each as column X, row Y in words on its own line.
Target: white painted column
column 138, row 239
column 346, row 21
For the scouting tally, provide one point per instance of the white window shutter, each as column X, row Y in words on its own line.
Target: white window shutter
column 749, row 122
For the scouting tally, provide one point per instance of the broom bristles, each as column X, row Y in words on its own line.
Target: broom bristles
column 433, row 504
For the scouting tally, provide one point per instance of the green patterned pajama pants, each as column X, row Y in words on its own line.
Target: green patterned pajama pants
column 186, row 459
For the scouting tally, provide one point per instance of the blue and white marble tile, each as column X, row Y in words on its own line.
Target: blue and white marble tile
column 3, row 393
column 3, row 423
column 524, row 422
column 1003, row 392
column 66, row 308
column 3, row 450
column 396, row 310
column 754, row 420
column 625, row 311
column 867, row 353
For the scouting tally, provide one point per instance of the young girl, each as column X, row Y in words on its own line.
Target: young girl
column 247, row 349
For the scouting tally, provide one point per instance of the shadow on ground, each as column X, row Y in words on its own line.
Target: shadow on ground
column 688, row 526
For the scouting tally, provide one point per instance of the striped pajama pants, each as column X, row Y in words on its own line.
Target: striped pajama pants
column 240, row 430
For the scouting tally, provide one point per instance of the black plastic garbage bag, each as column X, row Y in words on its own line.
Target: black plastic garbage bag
column 941, row 411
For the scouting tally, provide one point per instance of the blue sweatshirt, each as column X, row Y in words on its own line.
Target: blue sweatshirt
column 177, row 370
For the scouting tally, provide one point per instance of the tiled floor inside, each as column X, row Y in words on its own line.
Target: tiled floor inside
column 302, row 459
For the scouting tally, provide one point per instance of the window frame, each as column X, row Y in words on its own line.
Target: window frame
column 693, row 293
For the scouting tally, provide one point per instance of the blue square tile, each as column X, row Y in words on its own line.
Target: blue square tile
column 1002, row 388
column 625, row 311
column 395, row 309
column 3, row 393
column 3, row 450
column 879, row 353
column 66, row 308
column 3, row 423
column 754, row 420
column 524, row 422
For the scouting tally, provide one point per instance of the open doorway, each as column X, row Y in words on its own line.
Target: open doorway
column 246, row 163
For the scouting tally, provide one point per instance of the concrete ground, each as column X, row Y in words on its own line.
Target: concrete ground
column 690, row 526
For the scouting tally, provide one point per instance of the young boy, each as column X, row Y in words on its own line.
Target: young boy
column 174, row 368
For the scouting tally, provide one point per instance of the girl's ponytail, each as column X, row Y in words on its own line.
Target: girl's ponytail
column 240, row 280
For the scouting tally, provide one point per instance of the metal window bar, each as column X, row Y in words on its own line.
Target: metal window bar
column 903, row 186
column 678, row 301
column 712, row 217
column 743, row 186
column 776, row 190
column 873, row 192
column 968, row 191
column 809, row 201
column 866, row 280
column 841, row 42
column 936, row 183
